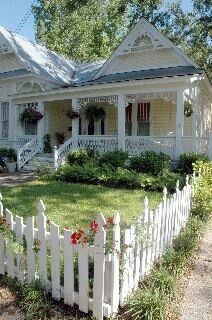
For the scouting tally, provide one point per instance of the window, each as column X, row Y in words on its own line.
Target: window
column 143, row 115
column 4, row 120
column 128, row 120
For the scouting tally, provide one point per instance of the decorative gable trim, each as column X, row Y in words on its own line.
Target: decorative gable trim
column 144, row 36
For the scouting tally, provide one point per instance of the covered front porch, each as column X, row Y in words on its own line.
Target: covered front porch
column 134, row 123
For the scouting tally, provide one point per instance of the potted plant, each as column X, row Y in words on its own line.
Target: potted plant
column 71, row 114
column 188, row 110
column 30, row 114
column 47, row 143
column 60, row 136
column 10, row 160
column 95, row 113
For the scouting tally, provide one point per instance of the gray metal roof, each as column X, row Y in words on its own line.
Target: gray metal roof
column 14, row 73
column 145, row 74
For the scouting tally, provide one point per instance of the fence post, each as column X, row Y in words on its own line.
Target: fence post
column 115, row 264
column 1, row 205
column 144, row 242
column 99, row 268
column 42, row 242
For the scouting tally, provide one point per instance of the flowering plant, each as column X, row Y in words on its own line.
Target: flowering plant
column 72, row 114
column 83, row 237
column 30, row 114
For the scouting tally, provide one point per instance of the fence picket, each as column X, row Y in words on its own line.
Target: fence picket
column 99, row 268
column 29, row 234
column 55, row 260
column 115, row 264
column 145, row 240
column 138, row 249
column 131, row 258
column 19, row 228
column 9, row 246
column 68, row 269
column 42, row 254
column 125, row 266
column 83, row 277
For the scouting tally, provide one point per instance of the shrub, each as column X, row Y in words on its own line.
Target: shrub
column 186, row 161
column 150, row 162
column 161, row 280
column 79, row 157
column 7, row 153
column 146, row 304
column 174, row 262
column 121, row 178
column 86, row 172
column 114, row 159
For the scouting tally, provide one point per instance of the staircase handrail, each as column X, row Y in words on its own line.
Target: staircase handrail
column 25, row 153
column 61, row 153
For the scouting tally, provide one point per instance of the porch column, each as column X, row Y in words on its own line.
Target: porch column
column 121, row 122
column 75, row 123
column 194, row 122
column 12, row 122
column 179, row 123
column 40, row 128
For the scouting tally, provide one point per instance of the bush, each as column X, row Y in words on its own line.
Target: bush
column 113, row 159
column 161, row 280
column 150, row 162
column 121, row 178
column 86, row 173
column 147, row 305
column 79, row 157
column 7, row 153
column 186, row 161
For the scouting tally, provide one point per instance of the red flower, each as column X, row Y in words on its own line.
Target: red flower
column 74, row 241
column 80, row 231
column 94, row 226
column 109, row 221
column 85, row 239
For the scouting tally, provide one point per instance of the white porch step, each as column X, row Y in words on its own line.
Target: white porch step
column 40, row 160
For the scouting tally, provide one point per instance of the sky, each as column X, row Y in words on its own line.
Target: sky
column 13, row 11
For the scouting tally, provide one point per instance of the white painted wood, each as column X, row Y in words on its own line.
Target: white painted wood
column 210, row 145
column 68, row 269
column 55, row 260
column 132, row 258
column 138, row 248
column 9, row 251
column 150, row 241
column 19, row 228
column 108, row 292
column 145, row 241
column 125, row 266
column 179, row 122
column 83, row 277
column 121, row 122
column 29, row 234
column 160, row 225
column 99, row 268
column 42, row 254
column 115, row 264
column 2, row 244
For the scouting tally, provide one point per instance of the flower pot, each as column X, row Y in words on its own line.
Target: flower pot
column 11, row 167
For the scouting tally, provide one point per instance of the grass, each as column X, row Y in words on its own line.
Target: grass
column 76, row 205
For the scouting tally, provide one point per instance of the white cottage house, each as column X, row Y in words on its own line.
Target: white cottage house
column 143, row 88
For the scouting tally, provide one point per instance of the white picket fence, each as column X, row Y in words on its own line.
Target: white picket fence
column 114, row 274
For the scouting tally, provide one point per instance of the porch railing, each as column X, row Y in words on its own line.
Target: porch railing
column 61, row 153
column 26, row 153
column 135, row 145
column 102, row 143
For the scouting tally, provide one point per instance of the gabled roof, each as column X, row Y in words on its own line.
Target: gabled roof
column 145, row 74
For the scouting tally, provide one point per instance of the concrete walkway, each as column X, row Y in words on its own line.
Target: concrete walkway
column 13, row 179
column 197, row 304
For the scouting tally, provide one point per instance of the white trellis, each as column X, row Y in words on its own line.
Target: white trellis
column 107, row 288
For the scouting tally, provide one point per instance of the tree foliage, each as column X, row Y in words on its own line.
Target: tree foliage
column 86, row 30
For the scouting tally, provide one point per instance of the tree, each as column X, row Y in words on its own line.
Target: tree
column 86, row 30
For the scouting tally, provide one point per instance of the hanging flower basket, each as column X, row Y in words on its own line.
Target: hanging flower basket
column 188, row 109
column 30, row 114
column 95, row 113
column 72, row 114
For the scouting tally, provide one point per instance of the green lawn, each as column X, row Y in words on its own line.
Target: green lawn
column 76, row 205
